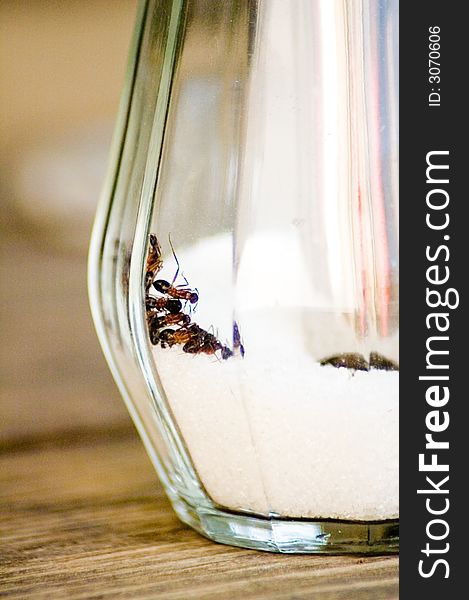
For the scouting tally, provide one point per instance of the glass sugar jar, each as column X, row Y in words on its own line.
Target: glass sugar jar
column 243, row 269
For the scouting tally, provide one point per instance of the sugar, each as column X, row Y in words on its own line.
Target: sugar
column 277, row 433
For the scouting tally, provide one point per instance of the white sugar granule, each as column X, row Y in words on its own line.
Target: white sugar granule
column 276, row 432
column 299, row 440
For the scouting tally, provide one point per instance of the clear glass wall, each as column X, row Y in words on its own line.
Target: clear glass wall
column 259, row 140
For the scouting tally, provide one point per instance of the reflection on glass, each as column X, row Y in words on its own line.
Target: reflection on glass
column 258, row 143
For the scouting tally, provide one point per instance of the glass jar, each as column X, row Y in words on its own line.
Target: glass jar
column 244, row 267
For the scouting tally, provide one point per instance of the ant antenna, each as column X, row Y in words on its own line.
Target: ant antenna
column 175, row 258
column 178, row 266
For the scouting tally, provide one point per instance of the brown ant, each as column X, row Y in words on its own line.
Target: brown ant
column 157, row 322
column 160, row 321
column 357, row 362
column 154, row 261
column 164, row 287
column 207, row 343
column 378, row 361
column 172, row 305
column 194, row 340
column 170, row 337
column 202, row 342
column 210, row 347
column 349, row 360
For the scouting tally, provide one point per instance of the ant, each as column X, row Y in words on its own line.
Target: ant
column 164, row 287
column 172, row 305
column 206, row 343
column 170, row 337
column 378, row 361
column 160, row 321
column 357, row 362
column 211, row 347
column 349, row 360
column 194, row 340
column 154, row 261
column 156, row 322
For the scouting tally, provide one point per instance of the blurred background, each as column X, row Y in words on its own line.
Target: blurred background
column 62, row 65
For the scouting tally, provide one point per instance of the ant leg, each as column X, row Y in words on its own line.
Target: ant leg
column 183, row 285
column 211, row 330
column 186, row 283
column 192, row 307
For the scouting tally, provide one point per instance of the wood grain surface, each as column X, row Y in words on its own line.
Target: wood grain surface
column 89, row 520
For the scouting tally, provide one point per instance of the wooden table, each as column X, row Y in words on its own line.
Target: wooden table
column 86, row 518
column 82, row 514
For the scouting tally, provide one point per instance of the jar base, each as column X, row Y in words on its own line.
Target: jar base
column 291, row 536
